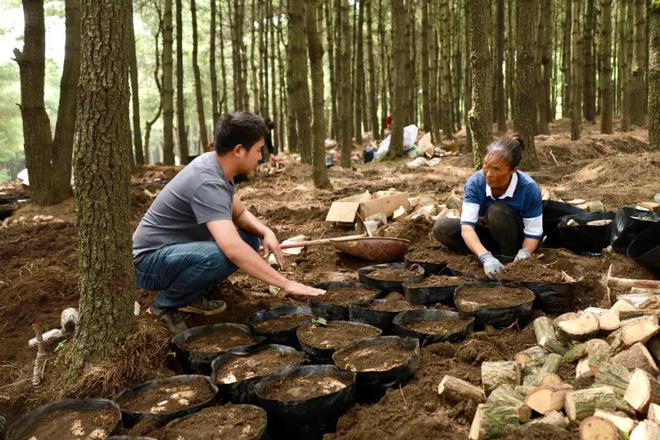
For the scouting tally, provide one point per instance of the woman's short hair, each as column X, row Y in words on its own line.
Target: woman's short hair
column 509, row 148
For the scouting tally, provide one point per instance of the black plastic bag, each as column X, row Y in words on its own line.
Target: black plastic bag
column 329, row 311
column 261, row 435
column 587, row 239
column 324, row 355
column 497, row 317
column 32, row 420
column 628, row 224
column 416, row 274
column 128, row 437
column 403, row 319
column 199, row 362
column 284, row 337
column 430, row 294
column 305, row 419
column 377, row 318
column 553, row 298
column 131, row 418
column 242, row 391
column 553, row 211
column 645, row 249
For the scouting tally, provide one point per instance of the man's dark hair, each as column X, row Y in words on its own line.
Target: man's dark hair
column 236, row 128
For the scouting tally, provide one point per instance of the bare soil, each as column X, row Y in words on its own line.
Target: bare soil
column 167, row 398
column 426, row 255
column 344, row 296
column 374, row 357
column 282, row 323
column 533, row 270
column 335, row 334
column 74, row 425
column 393, row 302
column 257, row 364
column 228, row 422
column 441, row 281
column 391, row 274
column 474, row 298
column 444, row 326
column 296, row 388
column 218, row 340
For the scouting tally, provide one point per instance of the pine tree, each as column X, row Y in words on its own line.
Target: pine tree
column 605, row 75
column 654, row 75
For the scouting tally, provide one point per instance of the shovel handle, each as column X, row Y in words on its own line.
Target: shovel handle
column 320, row 241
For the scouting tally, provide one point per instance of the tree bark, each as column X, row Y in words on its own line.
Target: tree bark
column 102, row 185
column 500, row 105
column 400, row 53
column 525, row 98
column 626, row 11
column 312, row 21
column 358, row 71
column 566, row 60
column 654, row 76
column 330, row 38
column 199, row 98
column 468, row 79
column 343, row 65
column 589, row 90
column 446, row 104
column 224, row 99
column 576, row 72
column 215, row 105
column 605, row 75
column 157, row 58
column 135, row 93
column 545, row 49
column 180, row 98
column 639, row 63
column 168, row 90
column 374, row 126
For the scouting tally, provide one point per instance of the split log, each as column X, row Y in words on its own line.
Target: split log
column 614, row 375
column 622, row 305
column 653, row 345
column 576, row 352
column 583, row 371
column 595, row 428
column 646, row 430
column 457, row 390
column 654, row 413
column 581, row 404
column 637, row 313
column 568, row 316
column 635, row 298
column 608, row 321
column 653, row 319
column 551, row 365
column 584, row 327
column 623, row 424
column 494, row 374
column 521, row 391
column 547, row 398
column 642, row 390
column 504, row 396
column 490, row 421
column 644, row 291
column 636, row 356
column 554, row 418
column 531, row 360
column 546, row 335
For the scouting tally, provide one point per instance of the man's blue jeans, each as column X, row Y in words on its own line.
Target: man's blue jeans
column 185, row 271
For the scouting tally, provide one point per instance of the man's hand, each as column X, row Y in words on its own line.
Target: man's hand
column 270, row 244
column 492, row 266
column 522, row 254
column 297, row 289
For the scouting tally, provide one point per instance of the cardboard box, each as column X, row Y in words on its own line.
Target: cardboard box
column 350, row 209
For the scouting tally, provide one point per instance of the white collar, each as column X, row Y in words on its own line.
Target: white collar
column 509, row 191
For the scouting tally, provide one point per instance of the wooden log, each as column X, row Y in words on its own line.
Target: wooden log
column 551, row 365
column 644, row 291
column 568, row 316
column 550, row 379
column 554, row 418
column 504, row 396
column 646, row 430
column 457, row 390
column 583, row 371
column 575, row 352
column 490, row 421
column 609, row 321
column 653, row 346
column 531, row 359
column 635, row 298
column 596, row 428
column 547, row 398
column 614, row 375
column 653, row 319
column 581, row 404
column 636, row 356
column 494, row 374
column 629, row 314
column 582, row 328
column 598, row 351
column 521, row 391
column 654, row 413
column 642, row 390
column 623, row 424
column 627, row 283
column 546, row 335
column 622, row 305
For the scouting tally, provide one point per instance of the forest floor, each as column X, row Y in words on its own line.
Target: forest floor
column 39, row 268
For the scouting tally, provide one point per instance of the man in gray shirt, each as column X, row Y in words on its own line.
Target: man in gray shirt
column 196, row 233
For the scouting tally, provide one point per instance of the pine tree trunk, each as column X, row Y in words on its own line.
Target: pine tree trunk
column 240, row 83
column 446, row 105
column 157, row 77
column 654, row 76
column 411, row 78
column 399, row 54
column 566, row 60
column 168, row 91
column 425, row 67
column 330, row 39
column 135, row 93
column 545, row 40
column 468, row 77
column 589, row 90
column 373, row 73
column 48, row 160
column 525, row 103
column 199, row 98
column 605, row 75
column 253, row 64
column 273, row 85
column 312, row 21
column 458, row 60
column 180, row 103
column 215, row 104
column 576, row 72
column 481, row 113
column 359, row 75
column 500, row 105
column 284, row 113
column 297, row 82
column 102, row 186
column 510, row 59
column 638, row 88
column 384, row 82
column 343, row 63
column 626, row 65
column 224, row 99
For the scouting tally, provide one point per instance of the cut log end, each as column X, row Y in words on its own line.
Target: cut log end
column 642, row 390
column 595, row 428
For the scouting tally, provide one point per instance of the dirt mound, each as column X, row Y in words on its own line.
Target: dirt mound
column 417, row 230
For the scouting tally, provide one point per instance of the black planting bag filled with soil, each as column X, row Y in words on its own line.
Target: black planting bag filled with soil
column 423, row 293
column 423, row 256
column 339, row 312
column 367, row 358
column 553, row 212
column 296, row 409
column 390, row 276
column 628, row 224
column 323, row 354
column 432, row 325
column 232, row 422
column 278, row 325
column 381, row 312
column 196, row 347
column 645, row 248
column 494, row 304
column 241, row 390
column 128, row 437
column 553, row 298
column 583, row 238
column 50, row 422
column 145, row 401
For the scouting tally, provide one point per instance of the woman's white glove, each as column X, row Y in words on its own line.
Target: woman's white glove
column 522, row 254
column 492, row 266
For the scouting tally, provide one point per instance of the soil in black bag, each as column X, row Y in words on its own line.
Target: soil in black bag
column 440, row 281
column 218, row 340
column 344, row 296
column 257, row 364
column 474, row 298
column 426, row 255
column 74, row 425
column 167, row 398
column 282, row 323
column 530, row 270
column 393, row 302
column 445, row 326
column 391, row 274
column 335, row 334
column 380, row 357
column 299, row 387
column 229, row 422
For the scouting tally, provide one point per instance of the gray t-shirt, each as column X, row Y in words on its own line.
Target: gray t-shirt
column 200, row 193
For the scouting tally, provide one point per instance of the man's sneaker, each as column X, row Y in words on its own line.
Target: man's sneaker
column 203, row 306
column 171, row 318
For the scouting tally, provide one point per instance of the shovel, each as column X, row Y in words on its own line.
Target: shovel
column 378, row 249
